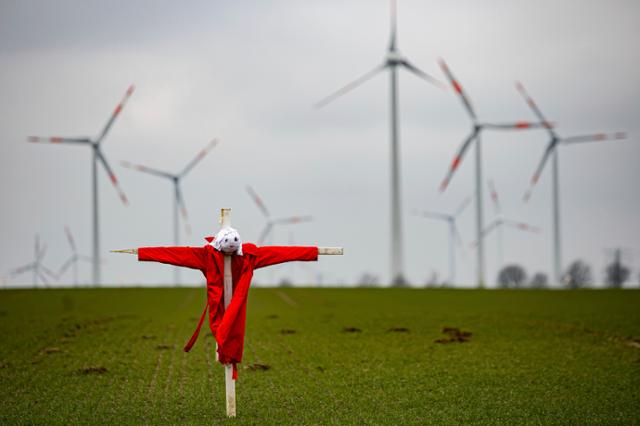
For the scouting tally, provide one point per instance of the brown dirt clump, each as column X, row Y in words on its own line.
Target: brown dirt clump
column 92, row 370
column 257, row 367
column 351, row 330
column 287, row 331
column 455, row 335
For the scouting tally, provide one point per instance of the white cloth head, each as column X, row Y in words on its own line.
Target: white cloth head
column 228, row 241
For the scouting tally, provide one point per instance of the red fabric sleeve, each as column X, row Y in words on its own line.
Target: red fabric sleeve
column 189, row 257
column 272, row 255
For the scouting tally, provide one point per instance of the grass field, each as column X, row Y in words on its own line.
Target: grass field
column 361, row 356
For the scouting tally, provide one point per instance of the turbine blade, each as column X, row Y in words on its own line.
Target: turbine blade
column 349, row 87
column 536, row 175
column 534, row 107
column 595, row 137
column 145, row 169
column 203, row 153
column 43, row 278
column 183, row 211
column 57, row 139
column 256, row 199
column 70, row 239
column 265, row 233
column 66, row 265
column 494, row 197
column 112, row 177
column 115, row 113
column 492, row 225
column 21, row 269
column 293, row 220
column 423, row 75
column 521, row 226
column 49, row 273
column 465, row 203
column 394, row 25
column 517, row 125
column 432, row 215
column 457, row 159
column 458, row 89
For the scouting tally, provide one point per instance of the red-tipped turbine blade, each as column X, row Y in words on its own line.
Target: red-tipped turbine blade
column 534, row 107
column 423, row 75
column 536, row 175
column 494, row 196
column 145, row 169
column 112, row 177
column 458, row 89
column 265, row 232
column 293, row 220
column 457, row 159
column 203, row 153
column 349, row 87
column 598, row 137
column 256, row 199
column 56, row 139
column 115, row 113
column 517, row 125
column 521, row 226
column 72, row 242
column 183, row 212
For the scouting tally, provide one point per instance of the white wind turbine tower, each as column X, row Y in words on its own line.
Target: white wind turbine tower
column 178, row 199
column 98, row 156
column 477, row 128
column 270, row 223
column 38, row 269
column 551, row 150
column 454, row 234
column 499, row 222
column 392, row 61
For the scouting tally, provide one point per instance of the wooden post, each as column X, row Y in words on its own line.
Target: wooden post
column 230, row 384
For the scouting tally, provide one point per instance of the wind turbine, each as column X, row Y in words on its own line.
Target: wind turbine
column 454, row 234
column 499, row 222
column 178, row 200
column 73, row 260
column 477, row 128
column 551, row 150
column 392, row 61
column 38, row 269
column 98, row 156
column 270, row 223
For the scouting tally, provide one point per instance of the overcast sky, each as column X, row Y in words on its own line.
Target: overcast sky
column 249, row 72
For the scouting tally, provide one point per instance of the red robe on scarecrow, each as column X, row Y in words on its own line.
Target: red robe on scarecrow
column 227, row 325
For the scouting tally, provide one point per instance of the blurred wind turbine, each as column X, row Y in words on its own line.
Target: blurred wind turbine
column 270, row 223
column 476, row 129
column 178, row 200
column 392, row 61
column 98, row 156
column 38, row 269
column 552, row 151
column 73, row 260
column 498, row 224
column 454, row 234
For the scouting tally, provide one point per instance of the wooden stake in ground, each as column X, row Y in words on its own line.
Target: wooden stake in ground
column 229, row 383
column 216, row 265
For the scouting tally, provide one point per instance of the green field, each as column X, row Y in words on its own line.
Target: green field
column 113, row 356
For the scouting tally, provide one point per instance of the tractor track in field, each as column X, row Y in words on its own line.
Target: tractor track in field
column 151, row 400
